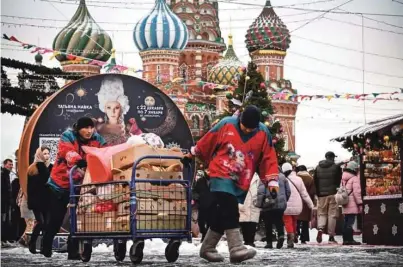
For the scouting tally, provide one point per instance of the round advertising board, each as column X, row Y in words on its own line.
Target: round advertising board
column 122, row 106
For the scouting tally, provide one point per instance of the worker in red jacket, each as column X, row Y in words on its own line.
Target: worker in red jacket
column 69, row 154
column 235, row 149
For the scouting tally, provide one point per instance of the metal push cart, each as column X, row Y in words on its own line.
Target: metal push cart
column 170, row 218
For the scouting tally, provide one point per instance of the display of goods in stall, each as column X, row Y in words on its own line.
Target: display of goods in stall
column 382, row 180
column 391, row 155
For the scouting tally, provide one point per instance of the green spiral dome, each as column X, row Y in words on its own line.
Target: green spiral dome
column 82, row 37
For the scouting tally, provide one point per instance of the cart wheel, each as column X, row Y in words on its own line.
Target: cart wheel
column 119, row 249
column 172, row 250
column 85, row 250
column 136, row 251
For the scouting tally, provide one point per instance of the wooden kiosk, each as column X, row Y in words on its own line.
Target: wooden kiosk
column 378, row 145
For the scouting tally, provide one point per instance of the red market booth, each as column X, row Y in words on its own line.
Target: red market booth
column 378, row 145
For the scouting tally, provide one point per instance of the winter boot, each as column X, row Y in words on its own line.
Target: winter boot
column 290, row 240
column 237, row 252
column 280, row 242
column 32, row 245
column 269, row 245
column 332, row 240
column 319, row 236
column 208, row 249
column 348, row 238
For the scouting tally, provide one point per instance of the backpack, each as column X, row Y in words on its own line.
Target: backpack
column 342, row 196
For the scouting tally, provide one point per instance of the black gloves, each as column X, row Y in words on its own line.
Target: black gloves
column 82, row 163
column 186, row 160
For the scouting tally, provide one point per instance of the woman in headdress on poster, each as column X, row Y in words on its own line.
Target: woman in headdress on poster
column 115, row 104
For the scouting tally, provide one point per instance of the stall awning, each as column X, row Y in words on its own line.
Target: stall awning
column 371, row 127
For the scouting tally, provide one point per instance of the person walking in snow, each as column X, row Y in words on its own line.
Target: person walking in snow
column 352, row 184
column 37, row 192
column 69, row 154
column 249, row 214
column 202, row 196
column 273, row 212
column 305, row 217
column 235, row 149
column 295, row 203
column 327, row 179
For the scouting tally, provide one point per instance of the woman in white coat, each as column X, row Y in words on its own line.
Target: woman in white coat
column 295, row 203
column 249, row 214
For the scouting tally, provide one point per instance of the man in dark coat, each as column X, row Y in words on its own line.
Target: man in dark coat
column 327, row 179
column 5, row 200
column 203, row 198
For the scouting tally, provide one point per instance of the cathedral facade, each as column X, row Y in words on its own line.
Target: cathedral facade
column 182, row 48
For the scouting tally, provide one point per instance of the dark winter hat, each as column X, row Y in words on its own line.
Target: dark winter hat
column 301, row 168
column 250, row 117
column 330, row 154
column 83, row 122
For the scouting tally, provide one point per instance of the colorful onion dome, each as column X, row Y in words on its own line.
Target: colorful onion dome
column 267, row 32
column 160, row 29
column 227, row 71
column 82, row 37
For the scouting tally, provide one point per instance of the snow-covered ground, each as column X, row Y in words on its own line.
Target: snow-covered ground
column 310, row 255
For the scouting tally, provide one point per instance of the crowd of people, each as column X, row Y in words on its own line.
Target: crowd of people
column 242, row 185
column 293, row 210
column 283, row 196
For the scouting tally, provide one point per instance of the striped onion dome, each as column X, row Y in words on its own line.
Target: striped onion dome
column 228, row 69
column 160, row 29
column 82, row 37
column 268, row 32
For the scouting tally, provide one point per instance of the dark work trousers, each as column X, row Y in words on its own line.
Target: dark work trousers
column 56, row 212
column 303, row 230
column 203, row 221
column 40, row 217
column 248, row 232
column 273, row 217
column 224, row 212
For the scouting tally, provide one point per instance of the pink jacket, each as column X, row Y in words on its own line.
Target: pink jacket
column 353, row 186
column 298, row 194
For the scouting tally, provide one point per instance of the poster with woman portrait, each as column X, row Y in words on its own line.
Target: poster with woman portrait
column 121, row 105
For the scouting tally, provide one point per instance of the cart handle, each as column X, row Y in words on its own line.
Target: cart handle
column 72, row 170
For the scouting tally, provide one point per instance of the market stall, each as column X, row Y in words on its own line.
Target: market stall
column 378, row 145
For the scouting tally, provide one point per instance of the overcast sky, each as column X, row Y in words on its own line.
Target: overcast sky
column 318, row 120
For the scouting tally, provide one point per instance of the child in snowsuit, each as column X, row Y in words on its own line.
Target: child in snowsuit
column 234, row 149
column 69, row 153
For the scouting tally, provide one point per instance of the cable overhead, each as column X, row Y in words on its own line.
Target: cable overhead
column 337, row 77
column 320, row 16
column 257, row 6
column 242, row 55
column 366, row 27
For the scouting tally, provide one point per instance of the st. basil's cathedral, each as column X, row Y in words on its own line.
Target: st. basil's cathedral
column 182, row 50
